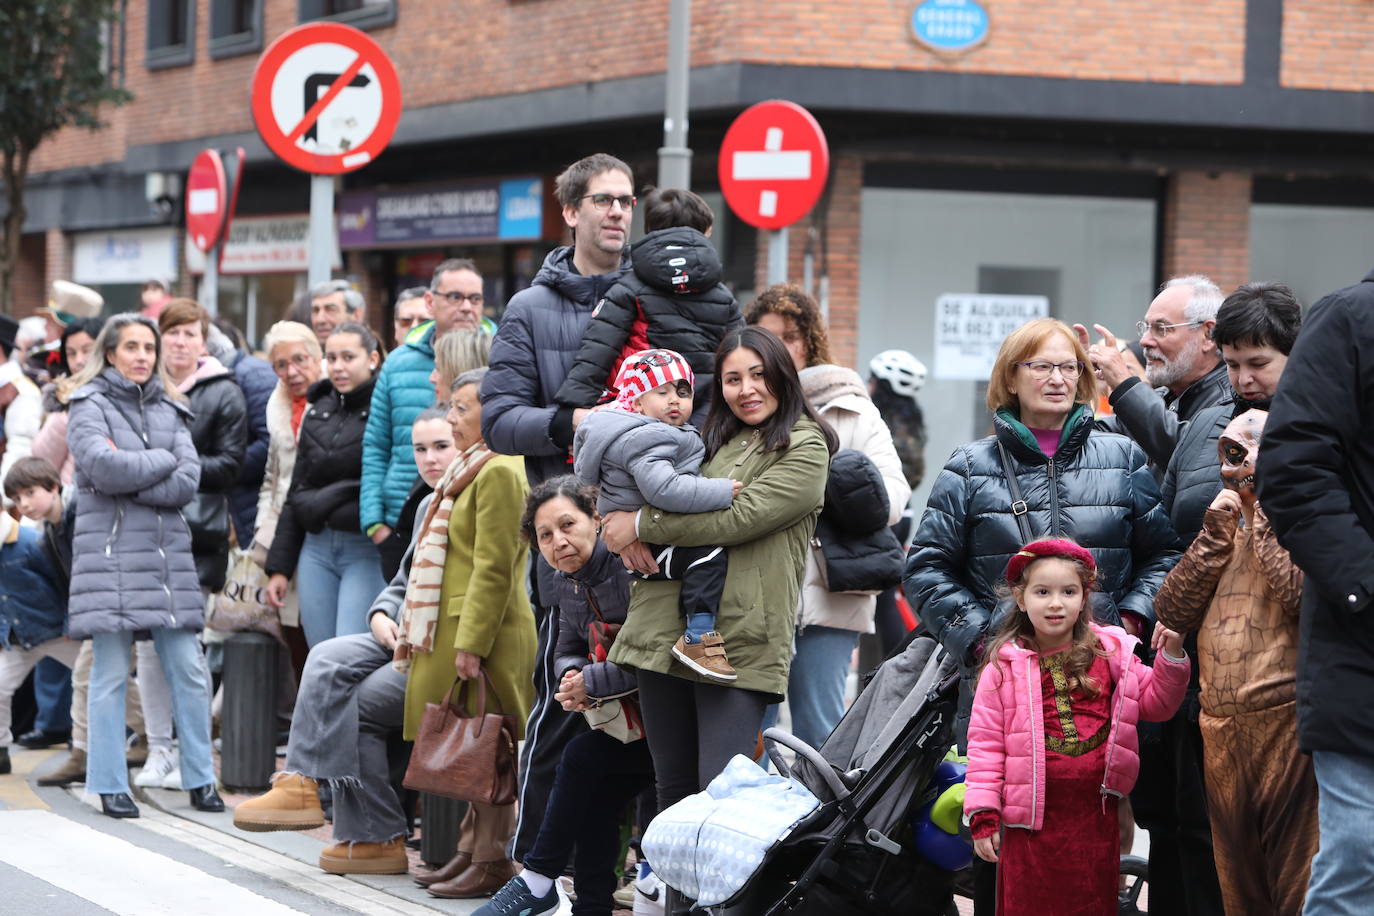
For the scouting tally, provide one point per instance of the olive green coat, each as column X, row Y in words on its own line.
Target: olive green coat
column 484, row 606
column 768, row 529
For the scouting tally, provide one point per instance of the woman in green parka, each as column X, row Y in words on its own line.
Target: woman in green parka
column 762, row 432
column 467, row 612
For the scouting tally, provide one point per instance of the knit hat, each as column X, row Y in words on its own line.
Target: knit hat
column 1054, row 547
column 646, row 370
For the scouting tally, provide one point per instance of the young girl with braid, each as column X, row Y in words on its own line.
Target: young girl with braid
column 1052, row 738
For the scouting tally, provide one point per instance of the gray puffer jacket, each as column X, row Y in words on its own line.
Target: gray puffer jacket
column 535, row 346
column 604, row 582
column 637, row 461
column 136, row 467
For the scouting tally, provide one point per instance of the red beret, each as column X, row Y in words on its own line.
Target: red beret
column 1055, row 547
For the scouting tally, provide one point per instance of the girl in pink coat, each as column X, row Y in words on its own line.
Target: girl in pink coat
column 1052, row 741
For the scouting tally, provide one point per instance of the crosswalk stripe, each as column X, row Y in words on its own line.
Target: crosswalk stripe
column 116, row 874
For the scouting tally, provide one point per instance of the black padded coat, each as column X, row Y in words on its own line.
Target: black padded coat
column 675, row 287
column 1097, row 490
column 219, row 429
column 327, row 479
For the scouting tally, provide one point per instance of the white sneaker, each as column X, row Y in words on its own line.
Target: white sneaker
column 564, row 901
column 160, row 762
column 173, row 778
column 649, row 894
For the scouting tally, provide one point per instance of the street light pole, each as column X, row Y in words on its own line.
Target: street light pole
column 675, row 157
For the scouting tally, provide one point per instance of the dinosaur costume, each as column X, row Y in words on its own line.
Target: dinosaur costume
column 1240, row 590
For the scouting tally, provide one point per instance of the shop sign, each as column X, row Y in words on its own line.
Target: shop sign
column 264, row 245
column 950, row 26
column 970, row 327
column 463, row 211
column 124, row 256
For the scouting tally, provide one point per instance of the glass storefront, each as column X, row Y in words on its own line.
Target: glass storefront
column 1314, row 250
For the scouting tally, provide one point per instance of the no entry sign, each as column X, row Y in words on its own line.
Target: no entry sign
column 326, row 98
column 207, row 203
column 774, row 162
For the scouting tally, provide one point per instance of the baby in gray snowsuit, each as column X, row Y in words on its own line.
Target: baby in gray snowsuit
column 641, row 451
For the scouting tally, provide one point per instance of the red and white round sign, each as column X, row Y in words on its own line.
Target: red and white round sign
column 326, row 98
column 773, row 165
column 206, row 203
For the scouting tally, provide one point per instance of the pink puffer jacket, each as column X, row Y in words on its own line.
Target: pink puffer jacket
column 1006, row 733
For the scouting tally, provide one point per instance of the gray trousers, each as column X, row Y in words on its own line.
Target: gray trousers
column 350, row 701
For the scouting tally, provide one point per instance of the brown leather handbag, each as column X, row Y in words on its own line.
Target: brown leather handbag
column 467, row 757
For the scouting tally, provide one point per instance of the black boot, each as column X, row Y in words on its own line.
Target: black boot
column 206, row 799
column 4, row 760
column 118, row 804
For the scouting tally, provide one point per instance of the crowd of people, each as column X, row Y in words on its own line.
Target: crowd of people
column 609, row 512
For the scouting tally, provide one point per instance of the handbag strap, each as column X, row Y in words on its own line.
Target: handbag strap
column 1019, row 509
column 592, row 603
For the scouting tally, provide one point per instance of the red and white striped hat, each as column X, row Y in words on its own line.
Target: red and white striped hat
column 647, row 370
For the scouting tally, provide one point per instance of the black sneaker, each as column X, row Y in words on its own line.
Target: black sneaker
column 514, row 899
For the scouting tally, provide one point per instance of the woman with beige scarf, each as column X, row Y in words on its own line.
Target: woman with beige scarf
column 467, row 611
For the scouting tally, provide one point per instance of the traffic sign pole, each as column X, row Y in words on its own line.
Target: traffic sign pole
column 321, row 227
column 209, row 282
column 777, row 256
column 675, row 156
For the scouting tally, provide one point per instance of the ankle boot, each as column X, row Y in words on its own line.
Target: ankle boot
column 446, row 872
column 73, row 769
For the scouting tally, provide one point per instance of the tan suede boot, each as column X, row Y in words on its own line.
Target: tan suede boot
column 292, row 804
column 387, row 858
column 73, row 770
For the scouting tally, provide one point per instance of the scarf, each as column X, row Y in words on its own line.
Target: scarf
column 420, row 613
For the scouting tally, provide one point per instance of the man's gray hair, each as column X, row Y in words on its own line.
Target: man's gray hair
column 414, row 292
column 1206, row 299
column 471, row 377
column 353, row 300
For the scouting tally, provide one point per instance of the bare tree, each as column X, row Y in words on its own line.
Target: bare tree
column 52, row 75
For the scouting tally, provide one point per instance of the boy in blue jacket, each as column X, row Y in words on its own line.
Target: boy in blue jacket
column 33, row 611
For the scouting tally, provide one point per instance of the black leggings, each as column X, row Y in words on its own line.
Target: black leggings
column 693, row 730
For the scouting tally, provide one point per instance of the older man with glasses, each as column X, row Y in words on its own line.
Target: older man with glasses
column 1181, row 362
column 403, row 389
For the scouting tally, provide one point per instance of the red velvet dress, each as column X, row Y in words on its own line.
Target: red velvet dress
column 1070, row 866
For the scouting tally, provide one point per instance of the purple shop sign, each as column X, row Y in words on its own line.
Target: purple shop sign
column 445, row 213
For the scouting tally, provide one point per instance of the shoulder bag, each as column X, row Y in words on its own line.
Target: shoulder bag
column 616, row 716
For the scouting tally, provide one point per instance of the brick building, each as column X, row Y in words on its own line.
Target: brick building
column 1082, row 150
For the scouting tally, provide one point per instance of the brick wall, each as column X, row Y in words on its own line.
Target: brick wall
column 30, row 292
column 57, row 255
column 832, row 229
column 1207, row 226
column 508, row 47
column 1328, row 44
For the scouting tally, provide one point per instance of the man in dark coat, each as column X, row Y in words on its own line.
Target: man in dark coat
column 1316, row 482
column 534, row 348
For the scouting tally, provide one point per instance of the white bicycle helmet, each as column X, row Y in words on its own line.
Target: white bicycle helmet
column 904, row 372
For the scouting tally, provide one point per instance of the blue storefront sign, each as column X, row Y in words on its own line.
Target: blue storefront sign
column 456, row 212
column 950, row 26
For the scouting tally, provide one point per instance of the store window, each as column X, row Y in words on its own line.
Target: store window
column 171, row 33
column 235, row 27
column 1092, row 258
column 1313, row 250
column 365, row 14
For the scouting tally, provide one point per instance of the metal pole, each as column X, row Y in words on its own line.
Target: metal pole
column 321, row 227
column 777, row 256
column 209, row 283
column 675, row 157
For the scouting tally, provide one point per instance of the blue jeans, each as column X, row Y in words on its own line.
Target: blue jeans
column 338, row 576
column 52, row 693
column 815, row 685
column 1343, row 869
column 189, row 680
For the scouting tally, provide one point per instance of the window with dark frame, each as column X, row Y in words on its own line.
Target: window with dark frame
column 235, row 27
column 364, row 14
column 171, row 33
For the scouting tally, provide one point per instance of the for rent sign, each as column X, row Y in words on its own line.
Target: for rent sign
column 969, row 328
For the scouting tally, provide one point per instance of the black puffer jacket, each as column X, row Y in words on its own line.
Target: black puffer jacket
column 674, row 291
column 327, row 478
column 1096, row 490
column 607, row 581
column 219, row 428
column 861, row 552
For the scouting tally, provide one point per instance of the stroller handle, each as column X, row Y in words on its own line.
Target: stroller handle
column 775, row 736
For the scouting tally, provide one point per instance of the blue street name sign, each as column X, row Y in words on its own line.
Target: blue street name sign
column 950, row 26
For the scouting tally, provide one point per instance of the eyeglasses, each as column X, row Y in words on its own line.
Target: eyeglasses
column 1160, row 329
column 604, row 201
column 300, row 361
column 1041, row 369
column 456, row 297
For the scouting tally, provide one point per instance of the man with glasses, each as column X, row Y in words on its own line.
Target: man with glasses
column 1181, row 362
column 411, row 311
column 331, row 304
column 403, row 389
column 534, row 349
